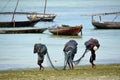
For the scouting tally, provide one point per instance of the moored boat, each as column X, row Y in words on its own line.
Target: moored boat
column 66, row 30
column 22, row 30
column 14, row 23
column 106, row 25
column 43, row 17
column 19, row 23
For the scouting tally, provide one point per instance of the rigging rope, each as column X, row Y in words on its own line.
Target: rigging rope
column 115, row 18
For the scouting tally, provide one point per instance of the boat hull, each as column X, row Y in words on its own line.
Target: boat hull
column 106, row 25
column 19, row 23
column 47, row 17
column 66, row 30
column 22, row 30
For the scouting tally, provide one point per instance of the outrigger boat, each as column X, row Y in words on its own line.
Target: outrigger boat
column 42, row 17
column 105, row 24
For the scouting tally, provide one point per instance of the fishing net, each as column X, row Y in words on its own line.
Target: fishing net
column 77, row 61
column 57, row 63
column 91, row 44
column 53, row 63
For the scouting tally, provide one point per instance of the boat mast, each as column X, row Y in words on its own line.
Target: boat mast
column 14, row 13
column 45, row 6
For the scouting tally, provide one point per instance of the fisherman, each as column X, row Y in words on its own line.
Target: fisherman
column 92, row 45
column 41, row 50
column 70, row 50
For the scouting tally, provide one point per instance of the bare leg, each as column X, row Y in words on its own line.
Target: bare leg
column 72, row 65
column 93, row 65
column 40, row 64
column 41, row 67
column 69, row 64
column 71, row 60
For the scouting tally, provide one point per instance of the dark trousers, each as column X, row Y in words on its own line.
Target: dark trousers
column 93, row 56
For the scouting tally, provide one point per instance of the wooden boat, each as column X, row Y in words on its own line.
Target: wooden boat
column 14, row 23
column 19, row 23
column 22, row 30
column 66, row 30
column 43, row 17
column 106, row 25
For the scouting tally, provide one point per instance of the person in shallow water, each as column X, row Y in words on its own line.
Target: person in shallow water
column 92, row 45
column 41, row 50
column 70, row 50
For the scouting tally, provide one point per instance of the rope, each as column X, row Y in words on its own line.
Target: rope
column 115, row 18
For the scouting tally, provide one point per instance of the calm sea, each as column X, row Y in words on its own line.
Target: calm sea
column 16, row 50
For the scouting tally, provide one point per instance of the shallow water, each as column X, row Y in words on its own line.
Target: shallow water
column 16, row 50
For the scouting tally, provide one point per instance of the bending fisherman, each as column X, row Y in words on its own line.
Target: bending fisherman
column 70, row 50
column 41, row 50
column 92, row 45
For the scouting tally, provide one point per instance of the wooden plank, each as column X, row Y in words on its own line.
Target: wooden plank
column 26, row 13
column 102, row 14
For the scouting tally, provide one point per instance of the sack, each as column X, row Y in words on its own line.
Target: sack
column 91, row 43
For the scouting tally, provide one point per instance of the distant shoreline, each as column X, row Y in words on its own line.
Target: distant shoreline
column 101, row 72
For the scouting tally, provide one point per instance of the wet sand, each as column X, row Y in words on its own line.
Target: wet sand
column 101, row 72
